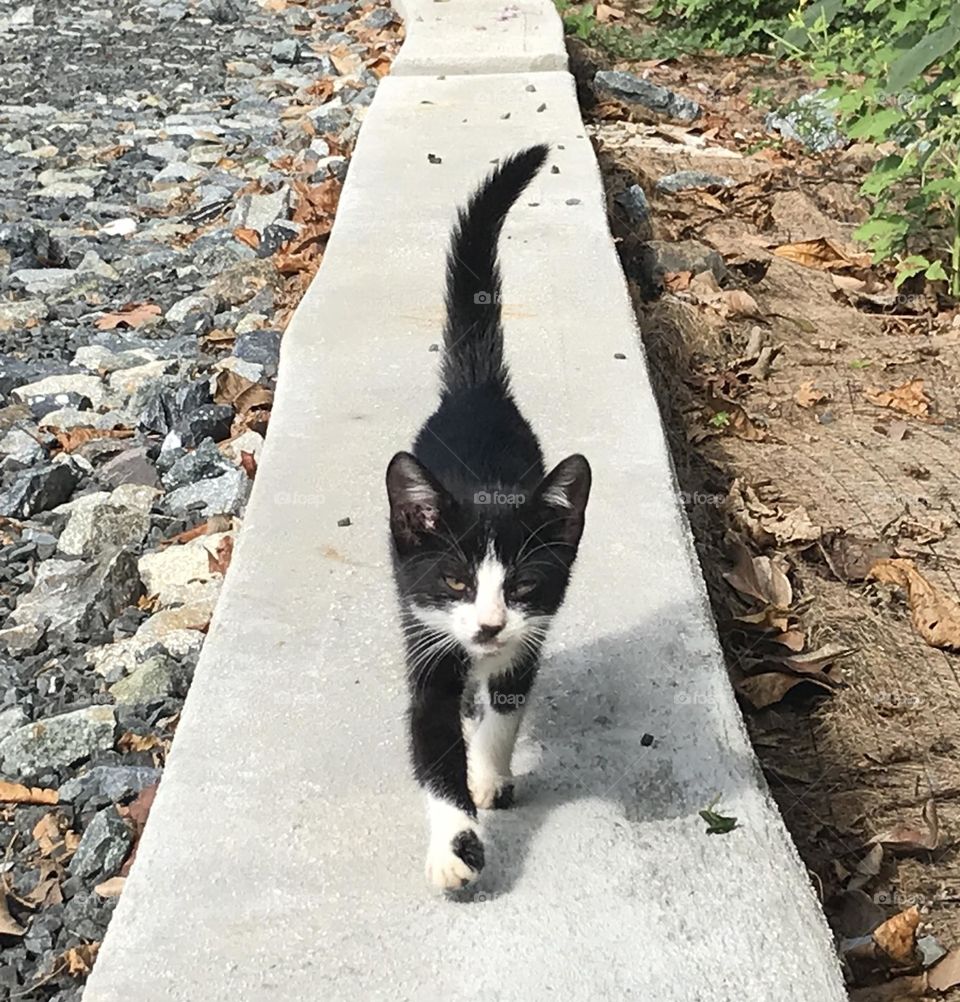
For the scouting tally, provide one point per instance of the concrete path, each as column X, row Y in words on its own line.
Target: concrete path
column 284, row 855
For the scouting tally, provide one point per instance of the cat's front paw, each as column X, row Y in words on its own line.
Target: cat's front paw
column 491, row 792
column 455, row 863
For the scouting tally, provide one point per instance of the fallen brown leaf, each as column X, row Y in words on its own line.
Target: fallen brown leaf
column 808, row 395
column 79, row 959
column 604, row 13
column 905, row 838
column 737, row 303
column 946, row 973
column 14, row 793
column 72, row 438
column 219, row 562
column 9, row 926
column 138, row 742
column 897, row 937
column 935, row 616
column 247, row 236
column 677, row 281
column 760, row 578
column 908, row 398
column 229, row 385
column 248, row 461
column 822, row 253
column 111, row 888
column 770, row 687
column 131, row 315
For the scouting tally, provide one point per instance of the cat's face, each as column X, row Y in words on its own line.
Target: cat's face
column 488, row 576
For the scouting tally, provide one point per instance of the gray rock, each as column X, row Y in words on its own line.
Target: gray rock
column 19, row 449
column 262, row 347
column 156, row 678
column 38, row 489
column 210, row 421
column 103, row 522
column 204, row 462
column 103, row 847
column 330, row 120
column 634, row 203
column 22, row 312
column 112, row 782
column 175, row 173
column 80, row 384
column 633, row 90
column 196, row 303
column 223, row 495
column 381, row 17
column 10, row 719
column 286, row 51
column 20, row 640
column 687, row 255
column 257, row 212
column 80, row 594
column 685, row 179
column 131, row 467
column 810, row 120
column 57, row 742
column 44, row 281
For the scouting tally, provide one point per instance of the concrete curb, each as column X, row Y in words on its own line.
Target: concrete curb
column 283, row 858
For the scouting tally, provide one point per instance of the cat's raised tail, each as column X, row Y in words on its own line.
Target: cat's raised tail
column 473, row 335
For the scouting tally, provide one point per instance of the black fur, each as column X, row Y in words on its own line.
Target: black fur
column 475, row 483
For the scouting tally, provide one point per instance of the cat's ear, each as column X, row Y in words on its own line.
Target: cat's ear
column 417, row 501
column 563, row 493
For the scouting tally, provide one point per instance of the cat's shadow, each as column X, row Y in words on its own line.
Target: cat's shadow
column 616, row 723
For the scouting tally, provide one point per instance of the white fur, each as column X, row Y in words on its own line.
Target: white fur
column 489, row 750
column 463, row 620
column 445, row 869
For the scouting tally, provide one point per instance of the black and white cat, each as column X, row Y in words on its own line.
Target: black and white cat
column 483, row 546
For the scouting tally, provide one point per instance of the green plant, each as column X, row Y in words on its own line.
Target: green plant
column 728, row 26
column 580, row 21
column 895, row 76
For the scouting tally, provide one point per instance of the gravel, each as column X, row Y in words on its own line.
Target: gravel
column 153, row 156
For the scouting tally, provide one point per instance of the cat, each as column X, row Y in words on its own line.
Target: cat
column 483, row 543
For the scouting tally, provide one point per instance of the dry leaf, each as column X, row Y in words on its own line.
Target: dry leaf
column 46, row 892
column 936, row 617
column 9, row 926
column 73, row 438
column 219, row 562
column 808, row 395
column 129, row 742
column 909, row 398
column 248, row 461
column 229, row 385
column 79, row 959
column 604, row 13
column 946, row 973
column 760, row 578
column 247, row 236
column 814, row 662
column 677, row 281
column 737, row 303
column 111, row 888
column 907, row 839
column 770, row 687
column 823, row 253
column 13, row 793
column 897, row 937
column 131, row 315
column 46, row 833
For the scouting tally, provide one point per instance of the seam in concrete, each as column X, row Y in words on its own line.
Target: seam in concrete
column 283, row 858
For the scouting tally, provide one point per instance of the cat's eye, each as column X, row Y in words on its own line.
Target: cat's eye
column 454, row 584
column 522, row 588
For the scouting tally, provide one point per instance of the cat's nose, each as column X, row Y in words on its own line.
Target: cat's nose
column 488, row 631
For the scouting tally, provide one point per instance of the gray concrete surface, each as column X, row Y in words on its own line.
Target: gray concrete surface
column 284, row 856
column 479, row 36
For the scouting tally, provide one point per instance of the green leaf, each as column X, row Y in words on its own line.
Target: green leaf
column 908, row 268
column 717, row 824
column 907, row 69
column 877, row 125
column 936, row 272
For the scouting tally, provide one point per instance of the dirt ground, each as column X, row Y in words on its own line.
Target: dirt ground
column 813, row 416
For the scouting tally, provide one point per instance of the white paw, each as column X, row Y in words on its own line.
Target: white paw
column 455, row 863
column 490, row 790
